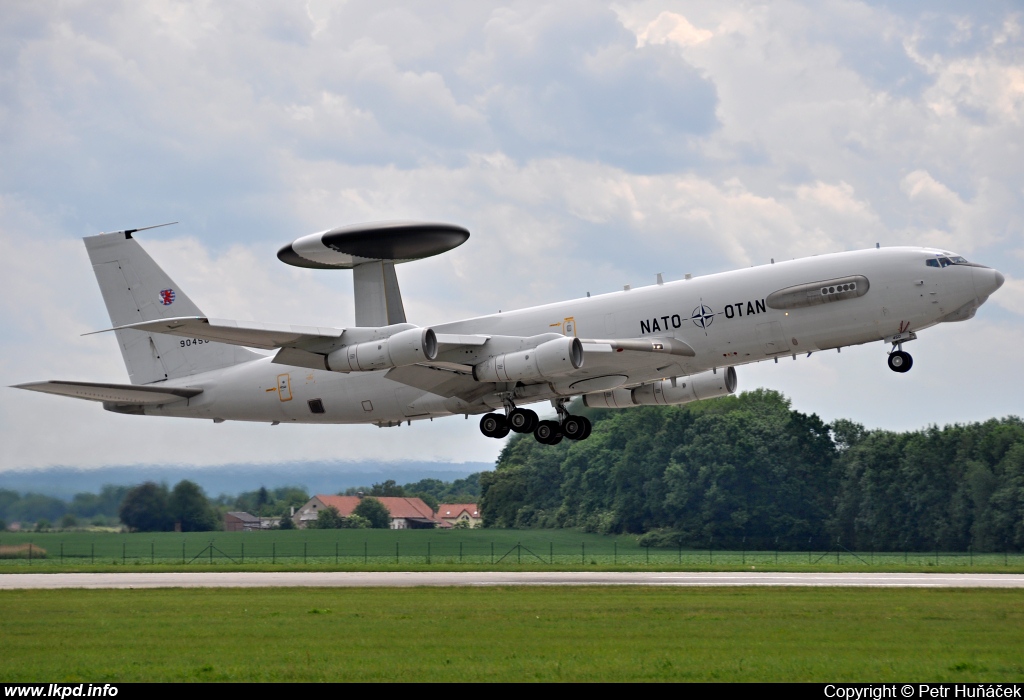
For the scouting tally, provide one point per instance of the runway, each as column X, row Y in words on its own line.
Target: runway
column 369, row 579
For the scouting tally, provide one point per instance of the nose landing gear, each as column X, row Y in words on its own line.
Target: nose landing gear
column 900, row 361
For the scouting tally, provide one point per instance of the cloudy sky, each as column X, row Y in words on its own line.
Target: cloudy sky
column 585, row 145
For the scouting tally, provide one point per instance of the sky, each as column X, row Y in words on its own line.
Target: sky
column 585, row 145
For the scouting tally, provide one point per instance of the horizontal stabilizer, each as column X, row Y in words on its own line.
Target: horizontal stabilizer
column 133, row 394
column 269, row 336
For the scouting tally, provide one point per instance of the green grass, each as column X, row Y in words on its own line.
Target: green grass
column 436, row 550
column 513, row 634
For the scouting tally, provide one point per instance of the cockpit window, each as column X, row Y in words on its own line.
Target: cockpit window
column 943, row 261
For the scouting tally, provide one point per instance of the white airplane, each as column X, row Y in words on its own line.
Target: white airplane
column 669, row 343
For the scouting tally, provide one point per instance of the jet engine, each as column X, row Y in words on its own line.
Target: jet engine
column 403, row 348
column 547, row 360
column 667, row 392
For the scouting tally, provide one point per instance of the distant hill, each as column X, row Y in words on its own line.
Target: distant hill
column 315, row 477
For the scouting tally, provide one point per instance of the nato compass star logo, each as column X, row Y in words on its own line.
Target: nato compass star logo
column 702, row 317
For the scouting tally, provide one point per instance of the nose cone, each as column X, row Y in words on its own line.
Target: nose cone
column 987, row 280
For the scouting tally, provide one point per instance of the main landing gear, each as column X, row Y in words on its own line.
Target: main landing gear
column 546, row 432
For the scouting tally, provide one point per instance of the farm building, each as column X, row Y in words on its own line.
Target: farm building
column 238, row 521
column 406, row 513
column 455, row 513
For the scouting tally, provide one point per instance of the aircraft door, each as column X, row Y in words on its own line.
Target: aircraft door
column 284, row 387
column 769, row 336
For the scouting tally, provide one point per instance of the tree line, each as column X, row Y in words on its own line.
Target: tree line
column 156, row 507
column 749, row 471
column 84, row 508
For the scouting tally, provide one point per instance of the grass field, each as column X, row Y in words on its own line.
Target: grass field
column 513, row 634
column 433, row 549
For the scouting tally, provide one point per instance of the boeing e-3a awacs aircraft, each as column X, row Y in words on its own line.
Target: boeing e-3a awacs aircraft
column 669, row 343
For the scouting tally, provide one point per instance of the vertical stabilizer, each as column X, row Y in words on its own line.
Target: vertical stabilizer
column 135, row 289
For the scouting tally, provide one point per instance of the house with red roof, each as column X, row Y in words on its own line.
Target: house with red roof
column 406, row 513
column 454, row 513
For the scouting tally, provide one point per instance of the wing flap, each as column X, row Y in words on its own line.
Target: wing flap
column 446, row 341
column 133, row 394
column 300, row 358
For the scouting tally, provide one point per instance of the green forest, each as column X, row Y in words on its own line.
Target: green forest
column 751, row 472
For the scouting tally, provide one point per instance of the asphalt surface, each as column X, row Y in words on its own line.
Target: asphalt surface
column 347, row 579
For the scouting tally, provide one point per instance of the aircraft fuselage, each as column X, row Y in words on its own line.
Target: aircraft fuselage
column 730, row 318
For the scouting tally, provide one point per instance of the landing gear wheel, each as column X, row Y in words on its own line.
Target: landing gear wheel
column 576, row 427
column 493, row 425
column 522, row 420
column 548, row 432
column 900, row 361
column 589, row 430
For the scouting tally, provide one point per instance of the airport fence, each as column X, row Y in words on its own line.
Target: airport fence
column 361, row 549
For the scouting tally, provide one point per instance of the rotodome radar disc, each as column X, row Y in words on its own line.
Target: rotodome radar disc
column 347, row 246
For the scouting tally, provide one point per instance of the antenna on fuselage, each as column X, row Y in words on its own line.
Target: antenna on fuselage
column 129, row 231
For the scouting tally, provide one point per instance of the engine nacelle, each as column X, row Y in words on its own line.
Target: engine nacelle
column 706, row 385
column 547, row 360
column 403, row 348
column 616, row 398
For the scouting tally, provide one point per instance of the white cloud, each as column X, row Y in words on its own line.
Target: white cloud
column 672, row 27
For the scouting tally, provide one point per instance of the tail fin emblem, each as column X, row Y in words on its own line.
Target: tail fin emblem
column 166, row 297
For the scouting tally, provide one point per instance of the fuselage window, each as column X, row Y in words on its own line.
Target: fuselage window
column 852, row 286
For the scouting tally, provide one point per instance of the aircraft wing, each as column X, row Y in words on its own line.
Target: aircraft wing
column 451, row 378
column 134, row 394
column 442, row 381
column 269, row 336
